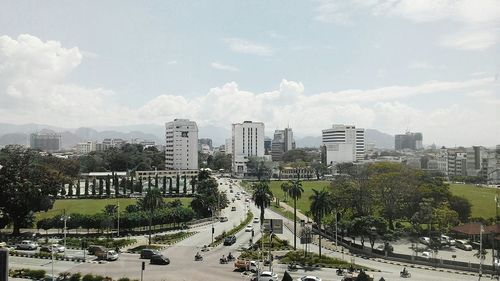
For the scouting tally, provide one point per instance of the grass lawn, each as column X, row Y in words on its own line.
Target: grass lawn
column 303, row 203
column 481, row 198
column 93, row 206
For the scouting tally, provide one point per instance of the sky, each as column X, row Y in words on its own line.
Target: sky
column 430, row 66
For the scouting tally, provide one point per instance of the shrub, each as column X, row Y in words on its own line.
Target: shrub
column 75, row 277
column 88, row 277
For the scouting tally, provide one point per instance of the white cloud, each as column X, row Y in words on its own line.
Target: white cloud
column 241, row 46
column 478, row 21
column 226, row 67
column 172, row 62
column 34, row 88
column 471, row 39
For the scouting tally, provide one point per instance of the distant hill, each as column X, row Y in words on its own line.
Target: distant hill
column 14, row 138
column 381, row 140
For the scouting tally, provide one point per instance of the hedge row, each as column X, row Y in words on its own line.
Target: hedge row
column 219, row 238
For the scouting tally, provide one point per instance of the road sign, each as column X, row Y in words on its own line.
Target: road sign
column 273, row 225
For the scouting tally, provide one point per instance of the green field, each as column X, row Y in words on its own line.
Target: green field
column 93, row 206
column 303, row 203
column 481, row 198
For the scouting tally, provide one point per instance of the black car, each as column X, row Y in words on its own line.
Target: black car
column 159, row 259
column 230, row 240
column 148, row 253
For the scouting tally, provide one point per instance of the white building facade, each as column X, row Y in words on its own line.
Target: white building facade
column 181, row 147
column 343, row 143
column 247, row 141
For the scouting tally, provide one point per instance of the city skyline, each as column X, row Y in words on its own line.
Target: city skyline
column 373, row 73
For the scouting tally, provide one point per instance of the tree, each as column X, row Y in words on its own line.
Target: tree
column 29, row 183
column 262, row 197
column 151, row 201
column 208, row 199
column 295, row 192
column 258, row 167
column 319, row 169
column 320, row 206
column 462, row 206
column 285, row 187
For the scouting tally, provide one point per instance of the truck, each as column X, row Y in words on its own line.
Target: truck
column 245, row 265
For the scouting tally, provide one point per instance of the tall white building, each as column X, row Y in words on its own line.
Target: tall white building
column 84, row 148
column 229, row 146
column 343, row 143
column 181, row 149
column 247, row 141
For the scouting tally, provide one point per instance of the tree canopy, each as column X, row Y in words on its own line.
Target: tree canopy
column 29, row 183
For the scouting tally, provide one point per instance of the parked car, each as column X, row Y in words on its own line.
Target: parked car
column 159, row 259
column 255, row 220
column 148, row 253
column 27, row 245
column 266, row 276
column 463, row 244
column 54, row 248
column 229, row 240
column 233, row 208
column 309, row 278
column 223, row 219
column 449, row 240
column 96, row 248
column 386, row 246
column 424, row 240
column 249, row 228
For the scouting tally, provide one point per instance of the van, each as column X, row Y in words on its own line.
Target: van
column 448, row 240
column 463, row 244
column 93, row 249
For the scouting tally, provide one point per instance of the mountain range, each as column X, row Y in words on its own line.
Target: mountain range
column 19, row 134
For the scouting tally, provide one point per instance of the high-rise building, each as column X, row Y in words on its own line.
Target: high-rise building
column 343, row 143
column 205, row 141
column 49, row 142
column 181, row 149
column 282, row 142
column 229, row 146
column 247, row 141
column 476, row 161
column 267, row 145
column 457, row 162
column 408, row 140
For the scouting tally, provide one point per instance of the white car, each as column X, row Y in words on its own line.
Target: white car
column 448, row 240
column 266, row 276
column 309, row 278
column 27, row 245
column 425, row 240
column 249, row 228
column 426, row 255
column 112, row 255
column 255, row 220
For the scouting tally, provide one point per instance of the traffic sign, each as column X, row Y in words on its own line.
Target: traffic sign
column 273, row 225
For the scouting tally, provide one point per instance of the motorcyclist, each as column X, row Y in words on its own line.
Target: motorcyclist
column 404, row 271
column 230, row 256
column 223, row 259
column 197, row 255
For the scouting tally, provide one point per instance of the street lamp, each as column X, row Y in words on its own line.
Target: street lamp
column 65, row 219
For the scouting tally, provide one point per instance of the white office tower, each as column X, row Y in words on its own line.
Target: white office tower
column 181, row 149
column 247, row 141
column 343, row 143
column 229, row 146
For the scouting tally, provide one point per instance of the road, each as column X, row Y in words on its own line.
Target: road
column 183, row 266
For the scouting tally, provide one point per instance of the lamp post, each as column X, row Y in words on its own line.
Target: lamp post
column 65, row 219
column 118, row 217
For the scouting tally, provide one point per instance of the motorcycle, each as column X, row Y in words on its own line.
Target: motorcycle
column 340, row 271
column 231, row 258
column 405, row 274
column 292, row 267
column 198, row 258
column 222, row 260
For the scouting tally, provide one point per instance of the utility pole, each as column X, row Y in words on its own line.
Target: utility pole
column 65, row 218
column 480, row 251
column 118, row 215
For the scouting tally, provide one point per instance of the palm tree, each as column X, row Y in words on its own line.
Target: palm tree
column 320, row 206
column 295, row 192
column 151, row 201
column 285, row 187
column 262, row 197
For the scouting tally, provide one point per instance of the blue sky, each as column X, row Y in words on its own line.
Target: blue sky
column 392, row 65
